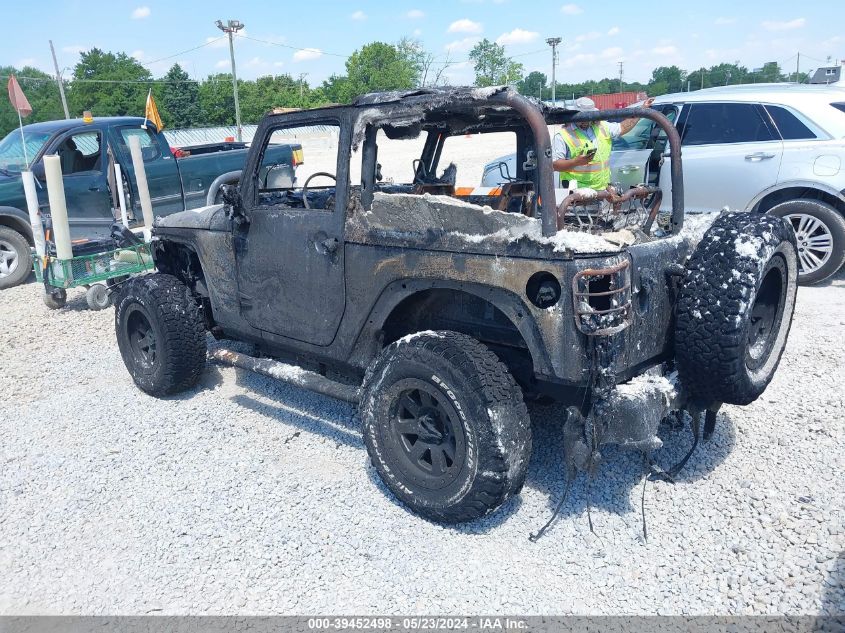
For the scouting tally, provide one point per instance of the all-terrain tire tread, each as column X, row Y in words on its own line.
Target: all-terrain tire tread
column 500, row 475
column 714, row 301
column 182, row 326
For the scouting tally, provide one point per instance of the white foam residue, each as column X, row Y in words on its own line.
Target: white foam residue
column 642, row 386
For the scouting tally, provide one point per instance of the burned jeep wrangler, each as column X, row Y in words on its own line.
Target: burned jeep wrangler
column 439, row 310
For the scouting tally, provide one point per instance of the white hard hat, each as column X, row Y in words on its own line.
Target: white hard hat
column 585, row 104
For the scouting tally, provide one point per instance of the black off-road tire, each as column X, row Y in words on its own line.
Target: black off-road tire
column 478, row 400
column 23, row 264
column 734, row 308
column 161, row 334
column 829, row 226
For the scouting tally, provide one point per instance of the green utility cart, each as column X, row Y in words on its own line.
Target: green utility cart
column 99, row 273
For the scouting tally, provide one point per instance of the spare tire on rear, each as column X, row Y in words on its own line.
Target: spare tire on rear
column 734, row 308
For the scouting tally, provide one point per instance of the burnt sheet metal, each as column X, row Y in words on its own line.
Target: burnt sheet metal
column 450, row 224
column 626, row 415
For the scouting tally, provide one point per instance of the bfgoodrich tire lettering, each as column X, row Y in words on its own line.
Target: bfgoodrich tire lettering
column 160, row 333
column 445, row 426
column 735, row 308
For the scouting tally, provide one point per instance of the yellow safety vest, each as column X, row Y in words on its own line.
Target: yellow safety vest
column 596, row 173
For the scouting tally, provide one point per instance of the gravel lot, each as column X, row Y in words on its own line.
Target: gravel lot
column 250, row 496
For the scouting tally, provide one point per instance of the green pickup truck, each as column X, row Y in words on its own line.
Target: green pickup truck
column 178, row 178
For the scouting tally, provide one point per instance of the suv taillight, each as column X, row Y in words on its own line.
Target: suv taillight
column 602, row 299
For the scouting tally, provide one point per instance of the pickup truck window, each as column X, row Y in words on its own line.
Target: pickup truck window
column 313, row 150
column 11, row 149
column 149, row 147
column 790, row 126
column 80, row 153
column 721, row 123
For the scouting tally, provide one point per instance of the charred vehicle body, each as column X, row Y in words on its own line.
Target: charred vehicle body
column 439, row 311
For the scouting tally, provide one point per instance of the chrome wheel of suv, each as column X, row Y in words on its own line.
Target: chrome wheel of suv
column 8, row 258
column 815, row 242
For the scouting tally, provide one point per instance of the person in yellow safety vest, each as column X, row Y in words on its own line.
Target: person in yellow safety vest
column 581, row 151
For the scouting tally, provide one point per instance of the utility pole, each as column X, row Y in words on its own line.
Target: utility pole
column 727, row 77
column 553, row 42
column 301, row 77
column 621, row 75
column 702, row 78
column 797, row 66
column 230, row 28
column 59, row 80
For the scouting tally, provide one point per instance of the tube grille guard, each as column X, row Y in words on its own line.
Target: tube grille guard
column 602, row 299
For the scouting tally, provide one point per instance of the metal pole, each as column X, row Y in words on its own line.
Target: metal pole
column 621, row 73
column 230, row 28
column 235, row 87
column 797, row 67
column 59, row 80
column 553, row 42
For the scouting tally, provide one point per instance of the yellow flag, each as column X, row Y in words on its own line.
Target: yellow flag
column 151, row 112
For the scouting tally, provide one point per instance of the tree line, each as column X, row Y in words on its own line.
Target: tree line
column 116, row 84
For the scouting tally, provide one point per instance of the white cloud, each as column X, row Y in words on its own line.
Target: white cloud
column 255, row 62
column 137, row 54
column 571, row 9
column 517, row 36
column 613, row 51
column 417, row 32
column 464, row 26
column 307, row 54
column 223, row 63
column 724, row 21
column 359, row 16
column 415, row 14
column 278, row 64
column 614, row 30
column 788, row 25
column 140, row 13
column 461, row 45
column 586, row 37
column 75, row 49
column 665, row 50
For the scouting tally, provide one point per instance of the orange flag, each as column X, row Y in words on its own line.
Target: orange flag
column 18, row 98
column 151, row 112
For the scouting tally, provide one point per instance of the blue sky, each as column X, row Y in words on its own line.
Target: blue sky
column 596, row 35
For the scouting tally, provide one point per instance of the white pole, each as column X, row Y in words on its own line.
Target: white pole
column 118, row 177
column 143, row 188
column 34, row 212
column 58, row 207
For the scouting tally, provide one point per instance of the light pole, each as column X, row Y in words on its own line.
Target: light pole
column 232, row 27
column 553, row 42
column 302, row 76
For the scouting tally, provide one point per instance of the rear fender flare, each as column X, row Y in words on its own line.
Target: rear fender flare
column 507, row 302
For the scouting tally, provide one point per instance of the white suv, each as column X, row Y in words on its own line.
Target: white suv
column 776, row 148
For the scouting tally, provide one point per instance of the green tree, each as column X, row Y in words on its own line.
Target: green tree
column 533, row 84
column 179, row 101
column 92, row 88
column 666, row 79
column 336, row 89
column 217, row 102
column 379, row 66
column 492, row 65
column 42, row 93
column 416, row 57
